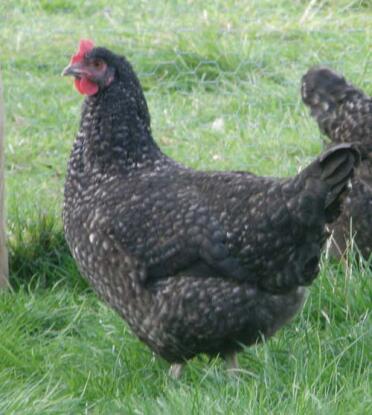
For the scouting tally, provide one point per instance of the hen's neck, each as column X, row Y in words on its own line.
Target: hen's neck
column 115, row 131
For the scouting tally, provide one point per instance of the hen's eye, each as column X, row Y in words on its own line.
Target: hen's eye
column 98, row 64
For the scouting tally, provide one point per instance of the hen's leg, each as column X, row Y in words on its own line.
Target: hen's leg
column 175, row 371
column 232, row 363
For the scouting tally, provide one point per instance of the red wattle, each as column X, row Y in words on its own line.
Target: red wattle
column 85, row 86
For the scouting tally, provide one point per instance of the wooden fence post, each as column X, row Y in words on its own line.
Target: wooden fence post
column 3, row 250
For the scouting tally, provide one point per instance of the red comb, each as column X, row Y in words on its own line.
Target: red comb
column 85, row 46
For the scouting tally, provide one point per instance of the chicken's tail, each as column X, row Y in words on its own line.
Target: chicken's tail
column 324, row 91
column 324, row 183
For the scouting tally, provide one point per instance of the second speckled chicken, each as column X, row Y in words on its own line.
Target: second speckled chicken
column 344, row 114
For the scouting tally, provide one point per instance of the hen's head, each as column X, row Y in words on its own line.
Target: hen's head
column 94, row 68
column 322, row 85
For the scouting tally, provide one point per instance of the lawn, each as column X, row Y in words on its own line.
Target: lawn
column 222, row 82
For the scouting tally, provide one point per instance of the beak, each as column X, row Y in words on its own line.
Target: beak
column 73, row 70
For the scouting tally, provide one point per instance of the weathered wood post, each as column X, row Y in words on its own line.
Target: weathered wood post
column 3, row 250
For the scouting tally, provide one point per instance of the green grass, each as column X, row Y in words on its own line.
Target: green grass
column 222, row 80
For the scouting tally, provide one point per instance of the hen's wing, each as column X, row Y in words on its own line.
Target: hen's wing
column 232, row 225
column 168, row 224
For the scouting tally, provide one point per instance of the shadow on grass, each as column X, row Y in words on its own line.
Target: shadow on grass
column 39, row 255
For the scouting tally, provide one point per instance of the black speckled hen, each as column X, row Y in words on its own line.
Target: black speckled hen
column 344, row 114
column 195, row 262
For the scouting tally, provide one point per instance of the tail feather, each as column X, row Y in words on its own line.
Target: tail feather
column 337, row 168
column 325, row 181
column 316, row 195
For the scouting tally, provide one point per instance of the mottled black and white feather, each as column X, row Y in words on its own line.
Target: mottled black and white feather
column 344, row 114
column 195, row 262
